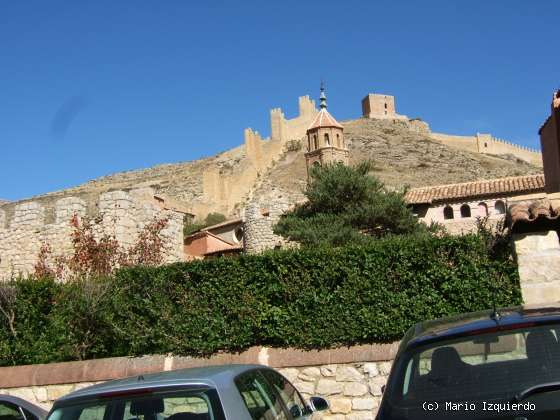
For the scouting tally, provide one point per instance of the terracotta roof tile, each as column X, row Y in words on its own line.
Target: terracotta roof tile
column 533, row 211
column 518, row 184
column 324, row 119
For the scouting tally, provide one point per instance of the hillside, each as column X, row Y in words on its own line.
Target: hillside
column 225, row 182
column 401, row 157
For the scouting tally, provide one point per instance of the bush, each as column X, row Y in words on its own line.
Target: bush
column 307, row 298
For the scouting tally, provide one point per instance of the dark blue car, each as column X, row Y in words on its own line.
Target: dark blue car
column 501, row 364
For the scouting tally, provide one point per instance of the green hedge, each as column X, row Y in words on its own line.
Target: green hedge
column 309, row 298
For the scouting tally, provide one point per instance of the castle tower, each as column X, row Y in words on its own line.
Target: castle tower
column 325, row 138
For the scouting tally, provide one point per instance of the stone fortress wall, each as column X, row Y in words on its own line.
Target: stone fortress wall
column 380, row 106
column 223, row 189
column 26, row 226
column 488, row 144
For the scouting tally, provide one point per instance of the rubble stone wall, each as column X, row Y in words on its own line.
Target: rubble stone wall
column 26, row 226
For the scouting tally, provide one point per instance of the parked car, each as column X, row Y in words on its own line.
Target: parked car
column 232, row 392
column 483, row 365
column 14, row 408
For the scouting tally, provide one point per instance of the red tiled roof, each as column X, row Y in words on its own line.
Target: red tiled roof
column 533, row 211
column 499, row 186
column 324, row 119
column 222, row 224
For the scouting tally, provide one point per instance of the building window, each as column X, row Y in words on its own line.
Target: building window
column 500, row 207
column 465, row 210
column 327, row 141
column 238, row 235
column 315, row 142
column 482, row 209
column 447, row 212
column 385, row 105
column 338, row 140
column 485, row 144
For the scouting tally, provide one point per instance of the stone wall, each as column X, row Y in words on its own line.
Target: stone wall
column 350, row 378
column 258, row 221
column 538, row 259
column 488, row 144
column 26, row 226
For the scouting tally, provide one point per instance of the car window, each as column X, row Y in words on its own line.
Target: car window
column 10, row 411
column 177, row 405
column 489, row 365
column 287, row 392
column 259, row 397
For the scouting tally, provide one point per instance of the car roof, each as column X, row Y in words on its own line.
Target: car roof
column 481, row 321
column 210, row 376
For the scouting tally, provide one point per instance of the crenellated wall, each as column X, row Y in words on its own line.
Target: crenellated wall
column 26, row 226
column 488, row 144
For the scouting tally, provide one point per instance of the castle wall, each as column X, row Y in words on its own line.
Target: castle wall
column 487, row 144
column 123, row 213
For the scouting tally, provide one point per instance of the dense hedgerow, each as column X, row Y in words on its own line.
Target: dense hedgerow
column 307, row 298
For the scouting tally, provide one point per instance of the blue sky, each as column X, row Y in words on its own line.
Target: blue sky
column 92, row 88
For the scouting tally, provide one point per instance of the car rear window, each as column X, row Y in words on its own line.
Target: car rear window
column 177, row 405
column 491, row 365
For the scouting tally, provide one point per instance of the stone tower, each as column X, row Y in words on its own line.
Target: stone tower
column 325, row 138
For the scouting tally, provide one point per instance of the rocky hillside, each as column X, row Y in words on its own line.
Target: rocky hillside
column 402, row 155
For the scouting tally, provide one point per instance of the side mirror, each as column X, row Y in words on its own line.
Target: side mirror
column 318, row 404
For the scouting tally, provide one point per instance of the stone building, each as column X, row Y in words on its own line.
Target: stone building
column 380, row 106
column 457, row 206
column 221, row 239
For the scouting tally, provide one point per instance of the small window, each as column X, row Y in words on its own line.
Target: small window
column 287, row 392
column 315, row 141
column 327, row 141
column 385, row 105
column 338, row 140
column 465, row 210
column 482, row 209
column 447, row 212
column 500, row 207
column 259, row 398
column 10, row 411
column 238, row 235
column 485, row 144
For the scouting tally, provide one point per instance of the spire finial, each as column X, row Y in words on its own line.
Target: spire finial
column 323, row 97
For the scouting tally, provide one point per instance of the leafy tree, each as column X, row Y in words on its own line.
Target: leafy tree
column 347, row 205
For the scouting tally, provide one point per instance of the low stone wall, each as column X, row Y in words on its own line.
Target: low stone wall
column 350, row 378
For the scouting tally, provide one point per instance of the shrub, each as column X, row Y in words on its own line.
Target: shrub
column 306, row 298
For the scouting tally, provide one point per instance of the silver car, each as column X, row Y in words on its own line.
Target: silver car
column 236, row 392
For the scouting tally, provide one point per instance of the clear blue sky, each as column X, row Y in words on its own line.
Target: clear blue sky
column 92, row 88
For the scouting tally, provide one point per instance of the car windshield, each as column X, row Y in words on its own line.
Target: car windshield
column 489, row 366
column 182, row 405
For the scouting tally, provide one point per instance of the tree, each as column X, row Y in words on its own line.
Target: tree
column 346, row 205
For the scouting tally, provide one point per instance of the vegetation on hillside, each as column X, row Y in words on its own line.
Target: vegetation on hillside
column 191, row 226
column 347, row 205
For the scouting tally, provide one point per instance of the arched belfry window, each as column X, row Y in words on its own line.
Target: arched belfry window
column 315, row 141
column 327, row 140
column 465, row 210
column 448, row 212
column 338, row 140
column 482, row 209
column 500, row 207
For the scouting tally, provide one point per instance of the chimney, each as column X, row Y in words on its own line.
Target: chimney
column 550, row 145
